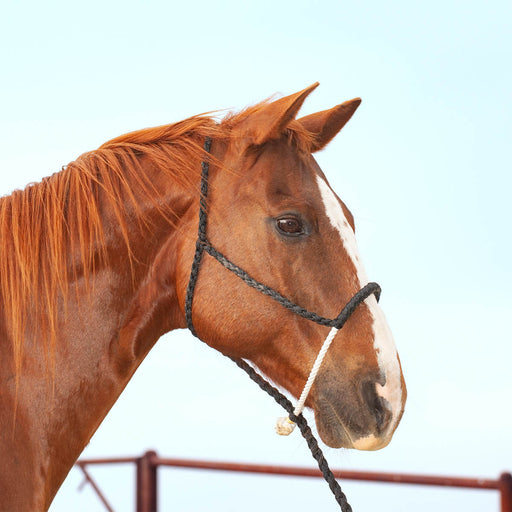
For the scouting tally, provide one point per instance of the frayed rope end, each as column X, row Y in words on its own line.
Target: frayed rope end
column 284, row 426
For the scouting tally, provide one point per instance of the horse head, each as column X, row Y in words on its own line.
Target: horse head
column 273, row 213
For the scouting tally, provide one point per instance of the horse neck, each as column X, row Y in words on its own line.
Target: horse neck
column 110, row 325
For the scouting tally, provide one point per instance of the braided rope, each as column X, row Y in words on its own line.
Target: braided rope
column 201, row 239
column 305, row 430
column 266, row 290
column 338, row 322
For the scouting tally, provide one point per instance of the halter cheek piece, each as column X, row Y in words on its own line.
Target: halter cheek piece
column 284, row 425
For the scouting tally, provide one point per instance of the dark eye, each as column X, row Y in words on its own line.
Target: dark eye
column 290, row 226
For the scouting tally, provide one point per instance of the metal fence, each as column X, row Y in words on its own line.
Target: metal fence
column 147, row 482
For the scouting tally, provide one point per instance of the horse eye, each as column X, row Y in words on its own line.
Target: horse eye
column 290, row 226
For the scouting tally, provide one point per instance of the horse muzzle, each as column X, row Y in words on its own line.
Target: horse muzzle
column 356, row 417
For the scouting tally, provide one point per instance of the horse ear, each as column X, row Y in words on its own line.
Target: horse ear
column 326, row 124
column 270, row 122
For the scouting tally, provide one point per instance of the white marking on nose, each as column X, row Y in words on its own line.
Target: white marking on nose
column 339, row 222
column 383, row 342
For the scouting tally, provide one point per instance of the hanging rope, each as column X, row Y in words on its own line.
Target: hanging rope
column 305, row 430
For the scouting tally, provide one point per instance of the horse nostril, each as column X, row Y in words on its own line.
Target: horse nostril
column 378, row 407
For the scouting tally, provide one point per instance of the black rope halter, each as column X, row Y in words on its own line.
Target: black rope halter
column 203, row 245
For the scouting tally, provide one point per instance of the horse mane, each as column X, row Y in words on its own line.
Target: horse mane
column 43, row 224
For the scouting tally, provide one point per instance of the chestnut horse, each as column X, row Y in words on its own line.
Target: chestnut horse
column 95, row 262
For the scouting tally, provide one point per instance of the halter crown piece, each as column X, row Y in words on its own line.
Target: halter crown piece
column 287, row 424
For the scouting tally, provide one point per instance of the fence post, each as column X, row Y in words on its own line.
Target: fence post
column 147, row 483
column 505, row 488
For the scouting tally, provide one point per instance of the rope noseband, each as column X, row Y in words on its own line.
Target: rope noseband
column 295, row 416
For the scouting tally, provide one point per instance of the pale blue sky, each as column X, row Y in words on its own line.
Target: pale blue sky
column 424, row 165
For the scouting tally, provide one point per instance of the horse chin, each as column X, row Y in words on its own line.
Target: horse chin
column 335, row 433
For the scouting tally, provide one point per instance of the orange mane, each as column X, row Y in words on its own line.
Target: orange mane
column 43, row 224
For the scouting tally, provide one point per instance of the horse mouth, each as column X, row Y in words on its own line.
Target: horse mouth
column 360, row 430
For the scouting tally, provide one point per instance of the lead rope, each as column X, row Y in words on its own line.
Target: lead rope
column 304, row 428
column 295, row 417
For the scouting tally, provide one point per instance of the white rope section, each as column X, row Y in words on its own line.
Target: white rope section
column 284, row 425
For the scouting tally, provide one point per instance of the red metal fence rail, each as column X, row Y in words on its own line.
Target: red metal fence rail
column 147, row 466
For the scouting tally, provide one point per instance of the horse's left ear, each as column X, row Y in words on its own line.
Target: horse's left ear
column 270, row 122
column 326, row 124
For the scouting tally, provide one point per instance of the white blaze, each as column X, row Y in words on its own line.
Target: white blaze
column 382, row 337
